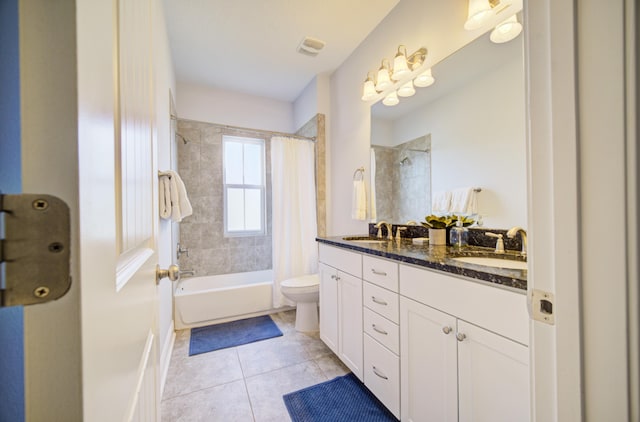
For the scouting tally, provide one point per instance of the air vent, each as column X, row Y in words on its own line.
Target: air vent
column 310, row 46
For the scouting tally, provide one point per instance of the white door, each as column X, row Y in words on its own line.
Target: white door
column 350, row 322
column 429, row 364
column 117, row 209
column 329, row 306
column 493, row 377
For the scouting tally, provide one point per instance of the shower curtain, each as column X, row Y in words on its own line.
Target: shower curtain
column 294, row 227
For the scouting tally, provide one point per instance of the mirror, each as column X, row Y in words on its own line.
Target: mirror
column 465, row 130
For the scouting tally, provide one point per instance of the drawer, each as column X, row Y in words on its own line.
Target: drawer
column 384, row 331
column 499, row 310
column 382, row 374
column 382, row 301
column 346, row 261
column 382, row 272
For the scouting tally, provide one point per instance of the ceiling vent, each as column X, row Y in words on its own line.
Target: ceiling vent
column 310, row 46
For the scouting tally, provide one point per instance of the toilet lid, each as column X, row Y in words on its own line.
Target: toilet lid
column 302, row 281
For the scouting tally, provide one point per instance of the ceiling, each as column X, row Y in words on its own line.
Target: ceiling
column 250, row 46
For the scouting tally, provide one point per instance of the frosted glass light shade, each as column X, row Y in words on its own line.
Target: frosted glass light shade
column 400, row 68
column 407, row 90
column 384, row 81
column 479, row 12
column 369, row 90
column 424, row 79
column 391, row 99
column 506, row 30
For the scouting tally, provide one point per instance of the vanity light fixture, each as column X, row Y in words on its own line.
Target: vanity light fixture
column 391, row 99
column 479, row 12
column 386, row 77
column 424, row 79
column 506, row 30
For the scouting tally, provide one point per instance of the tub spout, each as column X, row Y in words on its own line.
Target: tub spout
column 189, row 273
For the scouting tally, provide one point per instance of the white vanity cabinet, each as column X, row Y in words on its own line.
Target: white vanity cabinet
column 341, row 305
column 453, row 370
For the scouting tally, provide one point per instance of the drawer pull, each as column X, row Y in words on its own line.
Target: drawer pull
column 382, row 273
column 378, row 330
column 334, row 277
column 378, row 301
column 381, row 375
column 446, row 330
column 460, row 336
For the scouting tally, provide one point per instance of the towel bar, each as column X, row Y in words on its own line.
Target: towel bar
column 360, row 171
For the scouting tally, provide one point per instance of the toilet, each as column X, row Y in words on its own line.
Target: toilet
column 305, row 291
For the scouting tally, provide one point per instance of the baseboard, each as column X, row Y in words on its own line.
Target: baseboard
column 165, row 357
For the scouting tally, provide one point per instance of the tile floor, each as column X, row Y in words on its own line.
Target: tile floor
column 246, row 383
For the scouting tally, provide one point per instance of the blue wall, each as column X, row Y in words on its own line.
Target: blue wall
column 12, row 408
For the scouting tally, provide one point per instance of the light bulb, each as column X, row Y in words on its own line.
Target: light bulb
column 479, row 12
column 383, row 80
column 400, row 67
column 424, row 79
column 407, row 90
column 391, row 99
column 506, row 30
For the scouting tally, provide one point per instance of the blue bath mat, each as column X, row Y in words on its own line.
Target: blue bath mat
column 231, row 334
column 341, row 399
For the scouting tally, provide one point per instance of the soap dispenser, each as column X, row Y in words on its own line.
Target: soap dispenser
column 459, row 235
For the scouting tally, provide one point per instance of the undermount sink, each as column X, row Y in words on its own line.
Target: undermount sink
column 492, row 262
column 362, row 239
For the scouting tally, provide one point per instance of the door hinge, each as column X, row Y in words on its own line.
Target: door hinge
column 541, row 306
column 35, row 249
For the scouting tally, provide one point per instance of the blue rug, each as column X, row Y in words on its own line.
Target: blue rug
column 341, row 399
column 231, row 334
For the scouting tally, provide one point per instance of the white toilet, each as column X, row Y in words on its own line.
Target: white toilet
column 305, row 291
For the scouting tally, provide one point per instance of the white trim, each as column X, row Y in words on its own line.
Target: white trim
column 143, row 385
column 129, row 263
column 165, row 357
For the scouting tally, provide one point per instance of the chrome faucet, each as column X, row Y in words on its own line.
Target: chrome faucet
column 513, row 231
column 379, row 227
column 181, row 250
column 191, row 273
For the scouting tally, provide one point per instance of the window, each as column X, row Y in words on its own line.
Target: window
column 244, row 186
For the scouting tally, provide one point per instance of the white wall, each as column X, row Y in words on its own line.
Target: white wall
column 165, row 83
column 313, row 99
column 436, row 25
column 478, row 139
column 214, row 105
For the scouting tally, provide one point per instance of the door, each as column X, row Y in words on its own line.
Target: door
column 493, row 376
column 350, row 327
column 428, row 364
column 329, row 306
column 118, row 209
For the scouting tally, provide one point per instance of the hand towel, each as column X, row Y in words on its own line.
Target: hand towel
column 359, row 201
column 180, row 205
column 164, row 196
column 441, row 202
column 373, row 211
column 463, row 201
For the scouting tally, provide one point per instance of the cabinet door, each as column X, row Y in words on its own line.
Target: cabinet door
column 329, row 306
column 493, row 376
column 350, row 322
column 428, row 364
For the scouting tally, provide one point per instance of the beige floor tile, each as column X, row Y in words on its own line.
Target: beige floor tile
column 269, row 355
column 331, row 366
column 202, row 371
column 223, row 403
column 266, row 390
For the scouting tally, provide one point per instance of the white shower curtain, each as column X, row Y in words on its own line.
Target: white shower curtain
column 294, row 227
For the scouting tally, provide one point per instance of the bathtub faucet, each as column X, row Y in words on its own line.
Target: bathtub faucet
column 190, row 273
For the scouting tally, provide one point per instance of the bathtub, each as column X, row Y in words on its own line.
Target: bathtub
column 206, row 300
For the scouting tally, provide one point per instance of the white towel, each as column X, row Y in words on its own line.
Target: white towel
column 441, row 202
column 359, row 201
column 175, row 199
column 463, row 201
column 373, row 213
column 164, row 186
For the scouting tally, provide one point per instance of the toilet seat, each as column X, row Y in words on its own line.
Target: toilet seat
column 310, row 280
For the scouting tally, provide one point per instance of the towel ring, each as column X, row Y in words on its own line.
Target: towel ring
column 359, row 171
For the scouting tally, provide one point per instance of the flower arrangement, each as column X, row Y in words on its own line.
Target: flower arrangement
column 445, row 221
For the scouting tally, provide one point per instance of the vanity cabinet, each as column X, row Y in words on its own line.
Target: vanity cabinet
column 452, row 370
column 341, row 305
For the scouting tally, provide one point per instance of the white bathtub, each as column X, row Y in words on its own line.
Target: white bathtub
column 205, row 300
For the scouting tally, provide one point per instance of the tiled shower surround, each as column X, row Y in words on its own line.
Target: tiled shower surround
column 403, row 181
column 200, row 166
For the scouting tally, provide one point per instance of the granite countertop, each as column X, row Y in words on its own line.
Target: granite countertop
column 440, row 258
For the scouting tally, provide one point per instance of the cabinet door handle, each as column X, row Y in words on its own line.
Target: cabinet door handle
column 382, row 273
column 334, row 277
column 378, row 373
column 446, row 330
column 378, row 301
column 378, row 330
column 460, row 336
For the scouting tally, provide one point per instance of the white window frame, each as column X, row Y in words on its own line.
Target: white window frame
column 262, row 187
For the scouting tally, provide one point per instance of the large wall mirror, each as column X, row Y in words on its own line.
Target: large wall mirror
column 465, row 130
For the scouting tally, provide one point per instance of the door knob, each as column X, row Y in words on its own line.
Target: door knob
column 173, row 273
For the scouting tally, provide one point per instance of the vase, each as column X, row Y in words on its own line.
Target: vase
column 437, row 237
